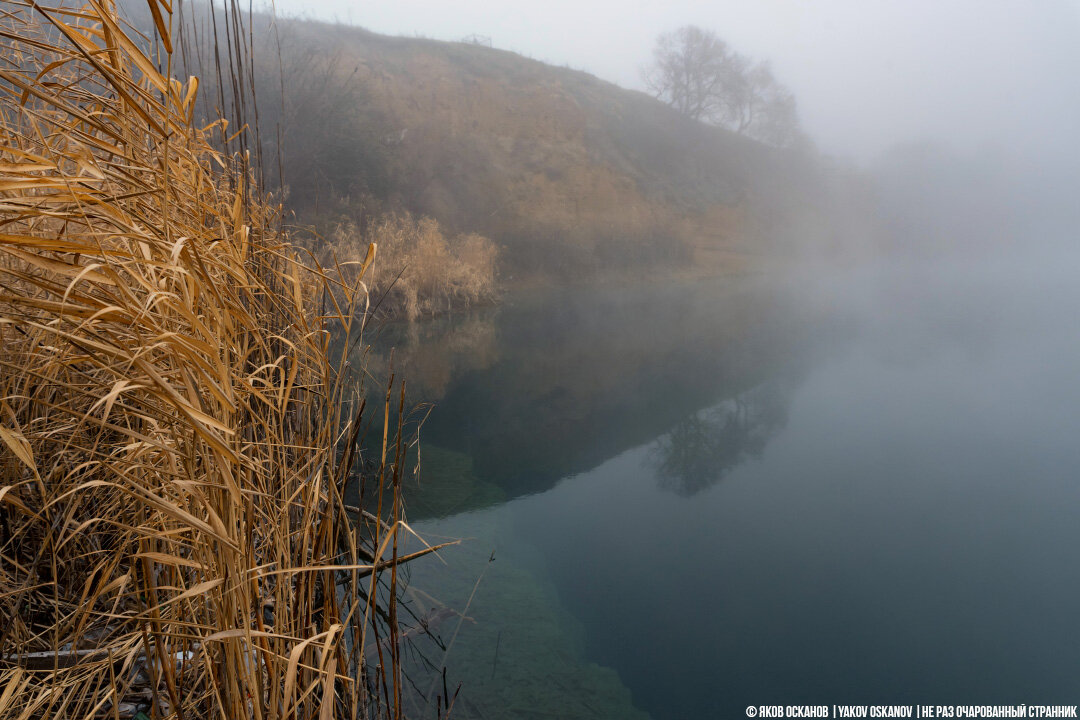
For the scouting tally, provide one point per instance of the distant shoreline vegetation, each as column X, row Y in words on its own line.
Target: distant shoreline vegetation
column 420, row 270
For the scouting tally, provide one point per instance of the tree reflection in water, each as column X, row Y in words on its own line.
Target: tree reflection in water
column 703, row 447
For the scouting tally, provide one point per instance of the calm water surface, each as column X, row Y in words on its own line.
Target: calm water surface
column 681, row 501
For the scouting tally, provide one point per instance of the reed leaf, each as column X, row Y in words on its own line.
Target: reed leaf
column 173, row 538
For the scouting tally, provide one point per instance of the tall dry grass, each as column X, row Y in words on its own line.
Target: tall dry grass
column 421, row 270
column 173, row 536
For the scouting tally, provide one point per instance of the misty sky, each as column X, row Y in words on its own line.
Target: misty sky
column 982, row 74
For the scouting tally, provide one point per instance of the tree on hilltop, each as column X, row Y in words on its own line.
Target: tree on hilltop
column 695, row 72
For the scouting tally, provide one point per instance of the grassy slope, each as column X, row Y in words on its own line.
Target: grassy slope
column 570, row 173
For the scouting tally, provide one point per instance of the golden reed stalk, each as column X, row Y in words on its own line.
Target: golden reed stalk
column 173, row 536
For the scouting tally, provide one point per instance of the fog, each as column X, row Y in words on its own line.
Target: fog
column 979, row 76
column 757, row 415
column 962, row 115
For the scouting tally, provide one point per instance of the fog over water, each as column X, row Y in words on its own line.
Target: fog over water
column 859, row 488
column 848, row 480
column 773, row 413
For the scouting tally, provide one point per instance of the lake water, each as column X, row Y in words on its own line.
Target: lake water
column 679, row 501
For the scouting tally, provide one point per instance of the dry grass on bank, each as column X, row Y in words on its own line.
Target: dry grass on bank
column 420, row 269
column 173, row 536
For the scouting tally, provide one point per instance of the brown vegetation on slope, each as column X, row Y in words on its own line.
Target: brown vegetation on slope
column 570, row 175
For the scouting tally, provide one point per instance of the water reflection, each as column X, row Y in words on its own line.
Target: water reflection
column 545, row 388
column 534, row 400
column 432, row 355
column 704, row 446
column 894, row 520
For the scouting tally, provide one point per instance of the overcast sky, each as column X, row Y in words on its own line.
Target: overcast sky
column 982, row 74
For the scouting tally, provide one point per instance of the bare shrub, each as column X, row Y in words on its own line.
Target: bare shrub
column 420, row 270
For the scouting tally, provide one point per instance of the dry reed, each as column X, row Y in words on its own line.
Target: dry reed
column 173, row 534
column 421, row 269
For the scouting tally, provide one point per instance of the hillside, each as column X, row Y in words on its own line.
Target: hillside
column 570, row 175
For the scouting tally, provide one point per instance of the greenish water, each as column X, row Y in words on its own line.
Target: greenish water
column 677, row 502
column 535, row 393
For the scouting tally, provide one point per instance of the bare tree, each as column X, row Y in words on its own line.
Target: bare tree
column 762, row 108
column 693, row 71
column 696, row 73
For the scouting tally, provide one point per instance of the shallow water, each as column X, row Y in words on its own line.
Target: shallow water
column 858, row 489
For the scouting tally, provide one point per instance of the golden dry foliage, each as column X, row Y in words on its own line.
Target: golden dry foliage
column 172, row 530
column 420, row 269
